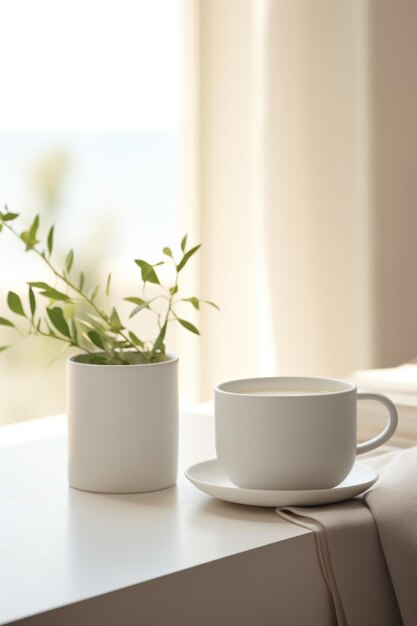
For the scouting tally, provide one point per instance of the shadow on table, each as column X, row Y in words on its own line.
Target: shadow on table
column 230, row 510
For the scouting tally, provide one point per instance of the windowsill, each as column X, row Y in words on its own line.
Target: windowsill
column 400, row 381
column 63, row 549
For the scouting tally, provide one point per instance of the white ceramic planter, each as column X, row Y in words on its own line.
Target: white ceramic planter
column 122, row 426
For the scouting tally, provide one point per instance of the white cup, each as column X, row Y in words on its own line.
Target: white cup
column 291, row 432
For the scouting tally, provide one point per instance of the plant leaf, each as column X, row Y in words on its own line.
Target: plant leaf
column 54, row 294
column 108, row 284
column 69, row 260
column 74, row 332
column 96, row 319
column 186, row 256
column 34, row 228
column 87, row 324
column 51, row 332
column 135, row 340
column 56, row 315
column 15, row 303
column 27, row 239
column 29, row 236
column 8, row 217
column 173, row 290
column 134, row 300
column 167, row 251
column 122, row 344
column 188, row 326
column 139, row 308
column 115, row 320
column 40, row 285
column 4, row 322
column 50, row 240
column 159, row 342
column 32, row 301
column 148, row 272
column 94, row 292
column 211, row 304
column 194, row 301
column 184, row 242
column 3, row 348
column 81, row 283
column 95, row 338
column 97, row 359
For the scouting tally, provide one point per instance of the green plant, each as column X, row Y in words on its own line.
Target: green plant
column 74, row 316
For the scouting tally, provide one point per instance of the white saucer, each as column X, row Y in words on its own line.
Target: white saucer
column 210, row 478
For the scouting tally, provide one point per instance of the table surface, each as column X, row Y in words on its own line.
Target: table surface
column 59, row 545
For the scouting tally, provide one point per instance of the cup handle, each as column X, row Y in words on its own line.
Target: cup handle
column 389, row 429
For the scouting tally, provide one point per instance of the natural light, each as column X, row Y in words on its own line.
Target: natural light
column 90, row 65
column 90, row 139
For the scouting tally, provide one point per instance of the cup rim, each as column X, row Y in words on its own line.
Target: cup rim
column 337, row 386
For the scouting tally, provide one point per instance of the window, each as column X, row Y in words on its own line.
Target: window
column 90, row 138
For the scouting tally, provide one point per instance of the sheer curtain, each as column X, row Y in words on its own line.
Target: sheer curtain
column 300, row 177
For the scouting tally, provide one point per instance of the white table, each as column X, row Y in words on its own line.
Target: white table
column 174, row 557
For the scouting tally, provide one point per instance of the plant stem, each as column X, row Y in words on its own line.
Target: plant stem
column 170, row 299
column 84, row 297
